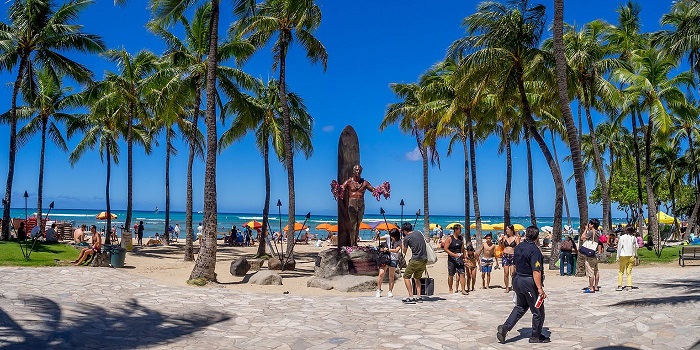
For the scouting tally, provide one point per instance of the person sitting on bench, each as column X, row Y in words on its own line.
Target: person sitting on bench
column 95, row 246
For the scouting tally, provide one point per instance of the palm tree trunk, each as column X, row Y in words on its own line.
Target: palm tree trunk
column 205, row 265
column 40, row 191
column 189, row 230
column 564, row 102
column 597, row 159
column 266, row 208
column 556, row 157
column 129, row 168
column 467, row 200
column 13, row 152
column 530, row 180
column 475, row 191
column 637, row 157
column 509, row 180
column 694, row 214
column 426, row 208
column 166, row 232
column 285, row 38
column 108, row 229
column 651, row 200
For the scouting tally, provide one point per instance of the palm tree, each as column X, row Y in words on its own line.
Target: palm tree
column 262, row 115
column 289, row 20
column 100, row 128
column 588, row 59
column 651, row 89
column 625, row 39
column 503, row 40
column 36, row 36
column 667, row 158
column 687, row 125
column 127, row 84
column 684, row 18
column 46, row 101
column 415, row 119
column 571, row 131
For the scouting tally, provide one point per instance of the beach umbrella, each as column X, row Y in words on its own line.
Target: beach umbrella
column 323, row 226
column 297, row 226
column 433, row 226
column 103, row 216
column 365, row 226
column 485, row 227
column 664, row 218
column 385, row 227
column 499, row 226
column 452, row 225
column 518, row 227
column 332, row 228
column 253, row 224
column 547, row 229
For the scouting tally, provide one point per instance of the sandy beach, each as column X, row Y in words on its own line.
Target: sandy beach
column 165, row 264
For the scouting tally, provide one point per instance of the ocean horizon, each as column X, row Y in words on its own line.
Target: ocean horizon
column 154, row 221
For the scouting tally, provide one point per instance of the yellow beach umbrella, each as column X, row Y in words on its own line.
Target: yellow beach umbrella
column 518, row 227
column 499, row 226
column 664, row 218
column 452, row 225
column 103, row 216
column 485, row 227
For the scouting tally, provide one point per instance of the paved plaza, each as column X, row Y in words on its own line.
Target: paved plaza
column 102, row 308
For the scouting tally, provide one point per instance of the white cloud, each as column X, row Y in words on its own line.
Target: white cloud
column 414, row 155
column 328, row 128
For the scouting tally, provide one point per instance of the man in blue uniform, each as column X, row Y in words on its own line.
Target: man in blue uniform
column 527, row 285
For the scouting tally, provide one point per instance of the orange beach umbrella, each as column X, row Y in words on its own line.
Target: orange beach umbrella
column 103, row 216
column 297, row 226
column 384, row 227
column 323, row 226
column 332, row 228
column 365, row 226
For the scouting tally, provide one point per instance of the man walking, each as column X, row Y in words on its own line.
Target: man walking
column 626, row 252
column 419, row 260
column 528, row 288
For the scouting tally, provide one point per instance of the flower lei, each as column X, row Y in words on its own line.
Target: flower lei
column 384, row 189
column 337, row 189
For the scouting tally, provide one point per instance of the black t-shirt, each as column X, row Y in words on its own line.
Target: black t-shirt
column 528, row 258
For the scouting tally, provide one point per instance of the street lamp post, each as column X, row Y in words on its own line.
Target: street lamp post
column 26, row 214
column 279, row 215
column 402, row 204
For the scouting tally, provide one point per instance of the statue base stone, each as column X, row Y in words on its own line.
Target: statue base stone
column 346, row 269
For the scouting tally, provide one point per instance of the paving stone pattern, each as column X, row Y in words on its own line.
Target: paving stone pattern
column 90, row 308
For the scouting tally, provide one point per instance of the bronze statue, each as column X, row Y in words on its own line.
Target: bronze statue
column 355, row 187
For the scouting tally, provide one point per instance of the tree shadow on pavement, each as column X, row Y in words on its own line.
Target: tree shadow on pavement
column 127, row 326
column 672, row 300
column 690, row 285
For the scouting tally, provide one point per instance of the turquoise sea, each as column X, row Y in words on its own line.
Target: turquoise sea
column 154, row 222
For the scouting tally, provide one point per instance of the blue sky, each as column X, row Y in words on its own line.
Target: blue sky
column 370, row 44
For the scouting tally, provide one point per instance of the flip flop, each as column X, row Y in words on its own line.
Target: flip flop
column 408, row 301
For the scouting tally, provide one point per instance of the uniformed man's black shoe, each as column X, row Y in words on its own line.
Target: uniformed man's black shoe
column 540, row 339
column 501, row 334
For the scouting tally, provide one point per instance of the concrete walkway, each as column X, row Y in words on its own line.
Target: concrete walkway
column 78, row 308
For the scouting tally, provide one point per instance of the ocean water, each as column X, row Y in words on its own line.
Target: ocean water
column 154, row 222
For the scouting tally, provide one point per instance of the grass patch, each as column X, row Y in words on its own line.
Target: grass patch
column 668, row 254
column 42, row 255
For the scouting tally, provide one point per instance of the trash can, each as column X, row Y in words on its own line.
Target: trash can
column 117, row 255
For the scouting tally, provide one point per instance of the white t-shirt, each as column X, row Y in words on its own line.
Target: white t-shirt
column 199, row 230
column 392, row 245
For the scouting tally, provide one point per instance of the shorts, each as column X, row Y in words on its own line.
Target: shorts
column 392, row 263
column 591, row 264
column 415, row 269
column 454, row 266
column 508, row 259
column 486, row 265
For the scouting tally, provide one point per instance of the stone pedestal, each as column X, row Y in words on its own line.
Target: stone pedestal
column 341, row 261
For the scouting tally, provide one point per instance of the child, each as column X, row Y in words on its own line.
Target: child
column 470, row 263
column 487, row 253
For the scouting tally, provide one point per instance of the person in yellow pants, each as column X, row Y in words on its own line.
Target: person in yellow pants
column 626, row 252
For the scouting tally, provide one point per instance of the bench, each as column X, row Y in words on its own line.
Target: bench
column 688, row 253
